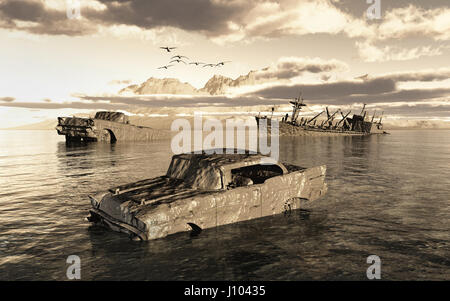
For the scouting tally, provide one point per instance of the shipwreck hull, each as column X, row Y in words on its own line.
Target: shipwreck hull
column 362, row 129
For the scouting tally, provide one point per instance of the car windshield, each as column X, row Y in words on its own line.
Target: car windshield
column 111, row 116
column 199, row 177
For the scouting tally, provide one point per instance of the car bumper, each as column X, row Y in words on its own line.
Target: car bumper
column 76, row 131
column 99, row 217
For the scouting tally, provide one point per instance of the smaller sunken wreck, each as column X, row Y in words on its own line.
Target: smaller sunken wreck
column 105, row 126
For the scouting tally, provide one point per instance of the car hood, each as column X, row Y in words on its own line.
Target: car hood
column 125, row 201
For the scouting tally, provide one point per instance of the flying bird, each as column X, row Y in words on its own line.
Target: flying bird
column 178, row 61
column 196, row 63
column 179, row 57
column 165, row 67
column 168, row 48
column 222, row 63
column 363, row 77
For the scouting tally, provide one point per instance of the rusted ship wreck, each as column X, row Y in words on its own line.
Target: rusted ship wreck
column 358, row 124
column 201, row 191
column 105, row 126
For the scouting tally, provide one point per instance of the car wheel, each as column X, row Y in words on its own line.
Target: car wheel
column 105, row 136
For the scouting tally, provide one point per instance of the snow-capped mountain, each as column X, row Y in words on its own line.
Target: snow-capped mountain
column 216, row 85
column 160, row 86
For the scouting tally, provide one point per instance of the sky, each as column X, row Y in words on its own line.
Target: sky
column 56, row 62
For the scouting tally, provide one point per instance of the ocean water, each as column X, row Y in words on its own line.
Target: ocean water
column 388, row 196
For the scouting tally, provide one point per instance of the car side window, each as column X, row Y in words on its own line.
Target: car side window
column 239, row 181
column 253, row 174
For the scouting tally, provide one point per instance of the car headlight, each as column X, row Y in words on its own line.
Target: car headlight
column 94, row 202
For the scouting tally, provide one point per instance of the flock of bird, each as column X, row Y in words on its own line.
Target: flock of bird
column 179, row 59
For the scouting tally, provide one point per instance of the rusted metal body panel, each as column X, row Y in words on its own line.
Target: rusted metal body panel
column 106, row 126
column 158, row 207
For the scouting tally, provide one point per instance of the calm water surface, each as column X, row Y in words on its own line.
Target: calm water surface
column 388, row 196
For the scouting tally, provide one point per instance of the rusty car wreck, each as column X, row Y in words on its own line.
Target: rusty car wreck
column 105, row 126
column 202, row 191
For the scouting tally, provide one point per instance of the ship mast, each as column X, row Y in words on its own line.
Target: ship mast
column 381, row 117
column 297, row 105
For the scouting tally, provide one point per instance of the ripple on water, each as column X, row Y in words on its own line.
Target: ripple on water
column 388, row 195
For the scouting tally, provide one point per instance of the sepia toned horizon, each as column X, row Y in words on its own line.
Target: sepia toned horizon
column 56, row 64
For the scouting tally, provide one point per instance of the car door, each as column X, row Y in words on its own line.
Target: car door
column 238, row 204
column 276, row 194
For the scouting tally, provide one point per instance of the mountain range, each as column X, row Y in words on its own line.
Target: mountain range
column 216, row 85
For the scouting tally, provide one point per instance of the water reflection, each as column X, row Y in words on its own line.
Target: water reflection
column 240, row 251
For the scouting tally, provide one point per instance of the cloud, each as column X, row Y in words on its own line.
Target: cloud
column 403, row 23
column 371, row 53
column 40, row 17
column 343, row 93
column 131, row 103
column 290, row 67
column 415, row 21
column 379, row 89
column 281, row 18
column 272, row 19
column 436, row 109
column 121, row 18
column 398, row 96
column 380, row 93
column 235, row 20
column 7, row 99
column 416, row 109
column 422, row 76
column 210, row 17
column 158, row 101
column 330, row 91
column 67, row 105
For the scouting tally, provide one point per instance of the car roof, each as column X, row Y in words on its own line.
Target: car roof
column 224, row 157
